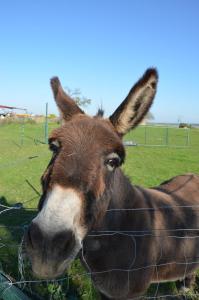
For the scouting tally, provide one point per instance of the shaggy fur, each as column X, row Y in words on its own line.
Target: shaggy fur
column 132, row 236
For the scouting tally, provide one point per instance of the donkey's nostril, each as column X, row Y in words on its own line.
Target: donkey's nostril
column 34, row 235
column 65, row 241
column 49, row 246
column 29, row 238
column 69, row 240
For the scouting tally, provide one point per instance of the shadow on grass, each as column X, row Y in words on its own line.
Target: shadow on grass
column 13, row 223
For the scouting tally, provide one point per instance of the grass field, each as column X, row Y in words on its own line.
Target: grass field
column 23, row 161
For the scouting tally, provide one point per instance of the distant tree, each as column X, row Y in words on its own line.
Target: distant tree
column 77, row 96
column 184, row 125
column 52, row 116
column 149, row 116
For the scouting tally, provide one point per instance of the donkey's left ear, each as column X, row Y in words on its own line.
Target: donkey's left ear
column 67, row 106
column 136, row 105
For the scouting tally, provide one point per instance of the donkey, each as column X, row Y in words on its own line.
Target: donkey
column 127, row 236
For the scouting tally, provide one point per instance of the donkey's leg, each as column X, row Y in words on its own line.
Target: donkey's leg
column 186, row 283
column 190, row 280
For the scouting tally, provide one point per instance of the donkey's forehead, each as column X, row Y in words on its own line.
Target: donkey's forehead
column 85, row 129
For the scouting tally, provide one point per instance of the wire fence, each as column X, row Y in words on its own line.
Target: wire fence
column 159, row 136
column 27, row 284
column 144, row 135
column 20, row 169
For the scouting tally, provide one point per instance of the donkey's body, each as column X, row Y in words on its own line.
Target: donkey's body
column 129, row 236
column 145, row 236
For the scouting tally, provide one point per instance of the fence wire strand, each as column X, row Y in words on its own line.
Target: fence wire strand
column 23, row 281
column 131, row 234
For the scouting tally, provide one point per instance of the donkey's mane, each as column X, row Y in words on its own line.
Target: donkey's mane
column 100, row 112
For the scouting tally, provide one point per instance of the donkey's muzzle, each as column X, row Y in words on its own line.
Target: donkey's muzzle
column 48, row 251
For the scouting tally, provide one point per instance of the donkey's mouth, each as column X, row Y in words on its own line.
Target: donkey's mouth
column 50, row 270
column 48, row 273
column 47, row 267
column 50, row 254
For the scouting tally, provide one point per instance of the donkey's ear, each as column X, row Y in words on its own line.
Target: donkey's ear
column 136, row 105
column 67, row 106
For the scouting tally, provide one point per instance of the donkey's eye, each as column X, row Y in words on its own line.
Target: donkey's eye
column 54, row 145
column 113, row 161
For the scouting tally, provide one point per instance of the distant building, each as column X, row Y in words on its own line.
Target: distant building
column 8, row 111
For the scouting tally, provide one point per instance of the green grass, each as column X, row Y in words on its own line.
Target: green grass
column 20, row 162
column 160, row 136
column 23, row 158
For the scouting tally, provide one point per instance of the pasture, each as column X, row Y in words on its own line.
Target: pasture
column 21, row 166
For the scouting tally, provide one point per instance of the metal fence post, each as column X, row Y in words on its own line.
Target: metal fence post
column 167, row 136
column 145, row 136
column 46, row 125
column 22, row 131
column 9, row 291
column 188, row 137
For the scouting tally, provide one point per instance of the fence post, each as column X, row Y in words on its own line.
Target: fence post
column 187, row 137
column 145, row 135
column 22, row 131
column 9, row 291
column 167, row 136
column 46, row 124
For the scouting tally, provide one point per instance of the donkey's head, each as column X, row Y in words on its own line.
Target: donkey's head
column 86, row 152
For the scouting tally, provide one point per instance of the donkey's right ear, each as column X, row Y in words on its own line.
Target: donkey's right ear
column 137, row 103
column 67, row 106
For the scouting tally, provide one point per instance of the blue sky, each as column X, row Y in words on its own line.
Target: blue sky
column 101, row 47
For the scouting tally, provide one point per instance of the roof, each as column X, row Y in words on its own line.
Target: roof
column 11, row 107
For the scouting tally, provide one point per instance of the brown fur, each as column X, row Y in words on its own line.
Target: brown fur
column 66, row 105
column 137, row 103
column 159, row 235
column 134, row 236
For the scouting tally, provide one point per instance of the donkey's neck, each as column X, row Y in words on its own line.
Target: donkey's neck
column 125, row 199
column 123, row 216
column 122, row 192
